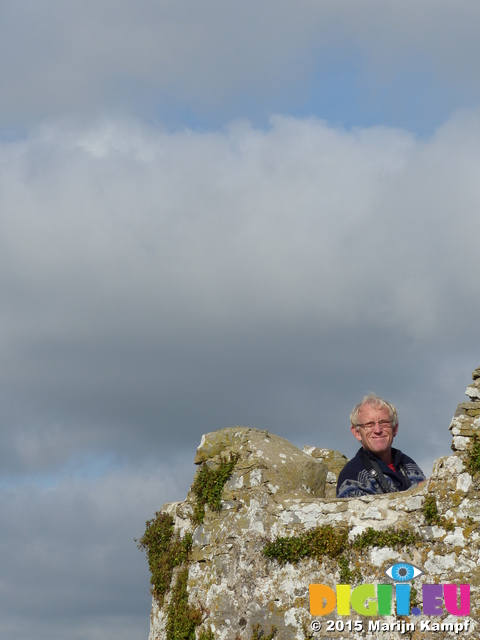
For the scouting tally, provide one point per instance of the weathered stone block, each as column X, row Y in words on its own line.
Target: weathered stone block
column 473, row 390
column 471, row 409
column 464, row 425
column 334, row 461
column 265, row 461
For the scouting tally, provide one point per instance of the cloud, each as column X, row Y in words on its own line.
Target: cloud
column 174, row 259
column 159, row 285
column 155, row 286
column 69, row 552
column 211, row 63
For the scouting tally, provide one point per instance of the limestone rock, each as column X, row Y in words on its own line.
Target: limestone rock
column 471, row 409
column 265, row 461
column 465, row 425
column 334, row 461
column 473, row 390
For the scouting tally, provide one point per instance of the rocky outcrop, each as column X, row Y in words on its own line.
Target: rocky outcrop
column 334, row 462
column 265, row 463
column 277, row 491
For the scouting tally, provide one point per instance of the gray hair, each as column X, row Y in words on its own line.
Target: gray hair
column 377, row 403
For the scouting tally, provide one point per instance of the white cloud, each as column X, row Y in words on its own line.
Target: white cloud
column 139, row 266
column 223, row 222
column 158, row 285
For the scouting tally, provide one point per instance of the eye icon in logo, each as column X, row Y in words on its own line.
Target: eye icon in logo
column 403, row 572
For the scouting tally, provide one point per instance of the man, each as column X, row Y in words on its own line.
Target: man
column 377, row 467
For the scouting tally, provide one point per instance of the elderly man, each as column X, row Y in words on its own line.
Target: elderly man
column 377, row 467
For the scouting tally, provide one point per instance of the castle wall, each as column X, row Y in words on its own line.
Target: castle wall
column 276, row 490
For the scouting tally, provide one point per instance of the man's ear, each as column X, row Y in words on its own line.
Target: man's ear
column 355, row 433
column 394, row 431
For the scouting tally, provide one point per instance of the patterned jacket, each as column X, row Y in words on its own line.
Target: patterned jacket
column 356, row 480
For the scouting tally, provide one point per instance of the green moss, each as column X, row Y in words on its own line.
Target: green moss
column 334, row 543
column 433, row 517
column 208, row 486
column 389, row 537
column 206, row 635
column 182, row 619
column 259, row 634
column 347, row 575
column 165, row 550
column 472, row 462
column 448, row 524
column 430, row 510
column 312, row 544
column 414, row 602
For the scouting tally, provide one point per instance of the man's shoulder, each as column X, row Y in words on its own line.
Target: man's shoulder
column 402, row 456
column 354, row 480
column 414, row 472
column 354, row 465
column 351, row 470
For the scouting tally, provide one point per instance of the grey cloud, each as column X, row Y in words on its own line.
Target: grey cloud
column 156, row 286
column 218, row 60
column 69, row 552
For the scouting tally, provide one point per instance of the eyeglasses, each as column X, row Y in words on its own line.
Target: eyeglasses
column 369, row 426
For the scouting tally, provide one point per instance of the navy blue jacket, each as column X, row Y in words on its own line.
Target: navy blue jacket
column 355, row 480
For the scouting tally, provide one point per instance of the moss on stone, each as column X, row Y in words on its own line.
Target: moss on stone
column 312, row 544
column 165, row 551
column 182, row 619
column 208, row 486
column 389, row 537
column 414, row 601
column 259, row 634
column 333, row 542
column 430, row 510
column 472, row 462
column 433, row 517
column 347, row 574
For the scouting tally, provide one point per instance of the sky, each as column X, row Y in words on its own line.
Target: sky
column 217, row 214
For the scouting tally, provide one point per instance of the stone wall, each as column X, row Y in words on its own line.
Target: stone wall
column 276, row 490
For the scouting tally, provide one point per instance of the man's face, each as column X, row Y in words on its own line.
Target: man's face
column 378, row 440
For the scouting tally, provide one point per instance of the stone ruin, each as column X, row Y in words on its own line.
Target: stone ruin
column 277, row 490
